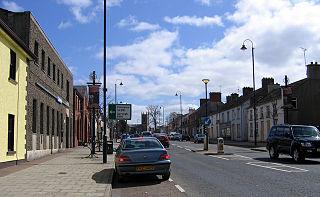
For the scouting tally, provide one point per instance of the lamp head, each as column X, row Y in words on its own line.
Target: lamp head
column 121, row 83
column 176, row 94
column 243, row 47
column 205, row 81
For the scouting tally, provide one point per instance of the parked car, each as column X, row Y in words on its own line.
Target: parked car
column 298, row 141
column 146, row 134
column 177, row 136
column 125, row 136
column 185, row 137
column 199, row 138
column 163, row 138
column 145, row 155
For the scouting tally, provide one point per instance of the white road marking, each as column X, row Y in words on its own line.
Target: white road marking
column 187, row 149
column 179, row 188
column 179, row 146
column 218, row 157
column 170, row 180
column 277, row 166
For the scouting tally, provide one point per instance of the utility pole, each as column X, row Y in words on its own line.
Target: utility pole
column 286, row 107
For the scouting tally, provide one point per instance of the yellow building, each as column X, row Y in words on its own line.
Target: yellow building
column 14, row 59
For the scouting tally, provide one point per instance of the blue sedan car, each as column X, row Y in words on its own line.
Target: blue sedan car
column 144, row 155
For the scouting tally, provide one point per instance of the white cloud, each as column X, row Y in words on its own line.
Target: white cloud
column 112, row 3
column 147, row 57
column 64, row 25
column 136, row 25
column 204, row 2
column 195, row 21
column 12, row 6
column 78, row 7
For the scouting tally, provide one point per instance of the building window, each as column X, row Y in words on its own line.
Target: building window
column 13, row 62
column 43, row 55
column 34, row 116
column 11, row 132
column 238, row 113
column 228, row 116
column 68, row 93
column 251, row 113
column 52, row 125
column 49, row 67
column 54, row 72
column 58, row 77
column 41, row 118
column 251, row 129
column 261, row 113
column 61, row 80
column 268, row 112
column 36, row 51
column 48, row 119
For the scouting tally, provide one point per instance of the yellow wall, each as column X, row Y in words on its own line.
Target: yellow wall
column 12, row 98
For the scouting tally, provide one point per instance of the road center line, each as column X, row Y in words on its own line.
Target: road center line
column 179, row 188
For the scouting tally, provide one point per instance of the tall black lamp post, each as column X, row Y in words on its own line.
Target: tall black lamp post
column 105, row 82
column 206, row 81
column 254, row 89
column 180, row 110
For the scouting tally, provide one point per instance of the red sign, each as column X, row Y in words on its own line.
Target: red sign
column 94, row 96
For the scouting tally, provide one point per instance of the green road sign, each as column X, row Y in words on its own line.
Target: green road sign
column 119, row 111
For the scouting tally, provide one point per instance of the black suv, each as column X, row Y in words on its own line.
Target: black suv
column 299, row 141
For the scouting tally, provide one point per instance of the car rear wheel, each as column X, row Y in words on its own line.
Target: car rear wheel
column 166, row 176
column 297, row 155
column 273, row 153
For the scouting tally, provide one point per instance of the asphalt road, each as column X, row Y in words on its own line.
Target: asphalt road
column 243, row 172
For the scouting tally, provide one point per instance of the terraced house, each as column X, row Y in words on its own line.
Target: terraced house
column 14, row 60
column 50, row 85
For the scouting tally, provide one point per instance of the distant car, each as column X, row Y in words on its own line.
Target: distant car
column 177, row 136
column 145, row 155
column 199, row 138
column 185, row 137
column 171, row 136
column 163, row 138
column 146, row 134
column 299, row 141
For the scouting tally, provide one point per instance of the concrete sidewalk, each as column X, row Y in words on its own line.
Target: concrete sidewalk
column 63, row 174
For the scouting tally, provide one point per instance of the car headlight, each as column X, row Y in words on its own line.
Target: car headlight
column 306, row 144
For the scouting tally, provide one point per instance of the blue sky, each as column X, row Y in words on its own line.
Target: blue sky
column 159, row 47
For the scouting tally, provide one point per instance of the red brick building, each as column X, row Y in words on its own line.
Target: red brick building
column 81, row 115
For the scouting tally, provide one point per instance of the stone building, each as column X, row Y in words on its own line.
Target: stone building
column 50, row 84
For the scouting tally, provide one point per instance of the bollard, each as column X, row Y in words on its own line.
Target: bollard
column 220, row 145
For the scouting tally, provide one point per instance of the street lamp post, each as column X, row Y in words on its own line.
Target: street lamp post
column 206, row 144
column 162, row 117
column 180, row 110
column 115, row 90
column 254, row 89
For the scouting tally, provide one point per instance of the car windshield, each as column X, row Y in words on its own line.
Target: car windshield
column 305, row 132
column 141, row 144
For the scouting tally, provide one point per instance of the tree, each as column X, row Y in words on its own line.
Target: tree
column 172, row 116
column 154, row 112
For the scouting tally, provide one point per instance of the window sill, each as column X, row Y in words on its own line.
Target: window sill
column 12, row 81
column 11, row 152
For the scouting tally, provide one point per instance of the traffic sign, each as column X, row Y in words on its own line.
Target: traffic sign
column 119, row 111
column 207, row 121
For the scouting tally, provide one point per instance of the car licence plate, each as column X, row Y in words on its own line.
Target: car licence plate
column 144, row 168
column 318, row 149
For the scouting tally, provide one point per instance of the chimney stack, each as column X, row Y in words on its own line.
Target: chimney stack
column 313, row 71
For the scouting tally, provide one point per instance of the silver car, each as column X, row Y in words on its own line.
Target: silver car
column 144, row 155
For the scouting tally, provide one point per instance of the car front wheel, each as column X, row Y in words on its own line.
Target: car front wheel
column 297, row 155
column 273, row 153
